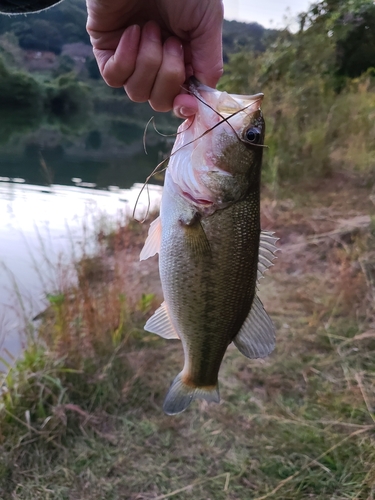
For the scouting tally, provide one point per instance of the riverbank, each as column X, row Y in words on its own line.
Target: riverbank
column 81, row 413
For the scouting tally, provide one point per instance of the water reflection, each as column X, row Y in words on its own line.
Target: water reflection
column 57, row 179
column 97, row 156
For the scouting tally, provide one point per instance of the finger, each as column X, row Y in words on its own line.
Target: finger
column 170, row 77
column 149, row 59
column 185, row 105
column 206, row 48
column 117, row 64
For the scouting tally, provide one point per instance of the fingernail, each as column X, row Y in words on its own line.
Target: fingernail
column 133, row 29
column 133, row 33
column 173, row 47
column 184, row 112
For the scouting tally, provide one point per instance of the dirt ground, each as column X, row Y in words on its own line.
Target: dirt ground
column 297, row 425
column 320, row 216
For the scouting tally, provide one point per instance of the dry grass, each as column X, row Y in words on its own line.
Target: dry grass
column 297, row 425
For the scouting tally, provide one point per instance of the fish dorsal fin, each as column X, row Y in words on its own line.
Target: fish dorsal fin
column 256, row 339
column 267, row 250
column 153, row 241
column 161, row 324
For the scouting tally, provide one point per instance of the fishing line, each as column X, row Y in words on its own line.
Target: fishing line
column 214, row 110
column 144, row 134
column 228, row 118
column 152, row 119
column 156, row 171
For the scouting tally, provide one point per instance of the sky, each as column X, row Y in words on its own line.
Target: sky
column 269, row 13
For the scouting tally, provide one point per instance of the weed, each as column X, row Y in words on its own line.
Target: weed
column 81, row 413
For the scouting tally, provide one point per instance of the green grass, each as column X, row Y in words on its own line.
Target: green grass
column 81, row 417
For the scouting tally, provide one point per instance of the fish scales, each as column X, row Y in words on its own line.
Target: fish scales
column 208, row 237
column 207, row 296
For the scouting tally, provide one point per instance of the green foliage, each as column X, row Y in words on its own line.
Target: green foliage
column 125, row 131
column 356, row 50
column 250, row 36
column 92, row 69
column 38, row 35
column 19, row 91
column 350, row 26
column 307, row 118
column 66, row 65
column 48, row 30
column 146, row 302
column 81, row 416
column 24, row 100
column 68, row 99
column 93, row 140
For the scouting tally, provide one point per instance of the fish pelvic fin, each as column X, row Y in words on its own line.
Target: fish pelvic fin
column 196, row 241
column 180, row 395
column 160, row 323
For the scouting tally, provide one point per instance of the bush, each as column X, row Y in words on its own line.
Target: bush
column 317, row 119
column 19, row 91
column 92, row 69
column 68, row 99
column 39, row 35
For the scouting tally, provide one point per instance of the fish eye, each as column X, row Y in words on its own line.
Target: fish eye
column 253, row 135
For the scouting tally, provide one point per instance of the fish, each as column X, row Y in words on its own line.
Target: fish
column 211, row 249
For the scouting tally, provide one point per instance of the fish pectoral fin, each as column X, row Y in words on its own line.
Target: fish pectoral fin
column 256, row 339
column 153, row 241
column 267, row 250
column 161, row 324
column 196, row 240
column 181, row 395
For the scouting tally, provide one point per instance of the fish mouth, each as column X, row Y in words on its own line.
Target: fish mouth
column 197, row 201
column 193, row 83
column 194, row 86
column 221, row 102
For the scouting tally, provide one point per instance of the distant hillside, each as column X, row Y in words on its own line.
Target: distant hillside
column 51, row 29
column 245, row 36
column 66, row 23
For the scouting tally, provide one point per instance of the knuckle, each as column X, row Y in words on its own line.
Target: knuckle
column 151, row 60
column 159, row 106
column 136, row 94
column 111, row 81
column 174, row 74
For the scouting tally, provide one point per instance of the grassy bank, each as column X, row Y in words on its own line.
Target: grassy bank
column 80, row 413
column 81, row 416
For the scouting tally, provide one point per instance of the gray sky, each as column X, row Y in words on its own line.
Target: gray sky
column 269, row 13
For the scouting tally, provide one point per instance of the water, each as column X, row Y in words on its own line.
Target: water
column 54, row 191
column 105, row 152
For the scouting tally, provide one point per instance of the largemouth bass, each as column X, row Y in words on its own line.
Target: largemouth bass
column 211, row 248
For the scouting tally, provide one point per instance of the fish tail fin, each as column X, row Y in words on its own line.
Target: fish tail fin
column 180, row 395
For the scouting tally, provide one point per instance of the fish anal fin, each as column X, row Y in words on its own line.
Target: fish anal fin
column 180, row 395
column 256, row 339
column 160, row 323
column 153, row 241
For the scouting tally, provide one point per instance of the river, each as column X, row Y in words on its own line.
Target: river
column 44, row 224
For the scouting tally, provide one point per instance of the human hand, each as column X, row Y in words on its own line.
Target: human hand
column 152, row 46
